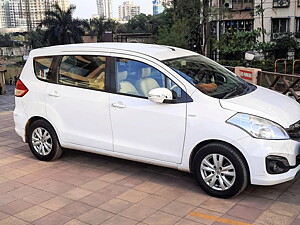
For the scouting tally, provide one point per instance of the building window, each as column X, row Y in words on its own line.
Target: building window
column 297, row 30
column 281, row 3
column 298, row 3
column 279, row 26
column 229, row 26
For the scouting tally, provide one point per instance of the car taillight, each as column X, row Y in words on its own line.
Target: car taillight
column 20, row 89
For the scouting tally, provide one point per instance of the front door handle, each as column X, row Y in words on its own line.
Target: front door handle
column 119, row 105
column 54, row 94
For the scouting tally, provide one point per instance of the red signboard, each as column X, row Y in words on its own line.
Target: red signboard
column 246, row 74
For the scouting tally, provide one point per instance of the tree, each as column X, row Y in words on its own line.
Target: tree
column 234, row 45
column 171, row 36
column 62, row 28
column 35, row 38
column 97, row 27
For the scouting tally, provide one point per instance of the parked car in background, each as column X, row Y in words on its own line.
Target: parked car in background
column 160, row 105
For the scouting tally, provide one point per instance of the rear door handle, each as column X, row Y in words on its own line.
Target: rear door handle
column 54, row 94
column 118, row 105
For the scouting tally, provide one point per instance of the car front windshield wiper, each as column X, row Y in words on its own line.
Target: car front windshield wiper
column 230, row 93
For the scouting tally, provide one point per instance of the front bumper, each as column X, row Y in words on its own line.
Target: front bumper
column 257, row 150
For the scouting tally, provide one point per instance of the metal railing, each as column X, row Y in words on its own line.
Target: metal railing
column 286, row 84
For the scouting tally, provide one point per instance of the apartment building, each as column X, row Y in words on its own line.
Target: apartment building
column 104, row 8
column 128, row 10
column 26, row 14
column 279, row 16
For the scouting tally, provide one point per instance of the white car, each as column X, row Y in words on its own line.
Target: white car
column 160, row 105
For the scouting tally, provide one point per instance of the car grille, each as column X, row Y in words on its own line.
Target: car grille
column 294, row 131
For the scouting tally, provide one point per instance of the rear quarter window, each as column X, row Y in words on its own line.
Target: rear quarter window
column 42, row 67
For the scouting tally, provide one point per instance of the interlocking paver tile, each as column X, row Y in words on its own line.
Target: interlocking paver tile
column 95, row 199
column 79, row 180
column 76, row 193
column 269, row 218
column 137, row 212
column 161, row 218
column 133, row 196
column 39, row 197
column 56, row 203
column 112, row 177
column 13, row 221
column 3, row 215
column 33, row 213
column 59, row 188
column 244, row 212
column 95, row 185
column 44, row 183
column 115, row 205
column 186, row 222
column 149, row 187
column 193, row 198
column 202, row 220
column 74, row 222
column 256, row 202
column 178, row 208
column 15, row 206
column 52, row 219
column 22, row 192
column 74, row 209
column 214, row 204
column 119, row 220
column 154, row 202
column 130, row 182
column 95, row 216
column 286, row 209
column 290, row 197
column 170, row 192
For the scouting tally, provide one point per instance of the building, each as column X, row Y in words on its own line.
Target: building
column 160, row 5
column 279, row 17
column 128, row 10
column 104, row 8
column 26, row 13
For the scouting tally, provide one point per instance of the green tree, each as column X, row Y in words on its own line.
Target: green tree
column 35, row 38
column 234, row 45
column 97, row 26
column 62, row 28
column 171, row 36
column 139, row 24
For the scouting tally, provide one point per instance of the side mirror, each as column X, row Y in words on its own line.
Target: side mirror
column 160, row 95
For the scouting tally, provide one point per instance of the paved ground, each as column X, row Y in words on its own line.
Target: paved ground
column 83, row 188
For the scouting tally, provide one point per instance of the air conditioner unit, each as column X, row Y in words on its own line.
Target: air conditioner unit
column 228, row 4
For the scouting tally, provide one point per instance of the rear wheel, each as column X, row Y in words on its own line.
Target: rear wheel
column 43, row 141
column 220, row 170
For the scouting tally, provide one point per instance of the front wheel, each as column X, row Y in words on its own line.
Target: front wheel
column 43, row 141
column 220, row 170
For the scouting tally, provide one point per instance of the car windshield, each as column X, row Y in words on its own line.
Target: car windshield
column 210, row 77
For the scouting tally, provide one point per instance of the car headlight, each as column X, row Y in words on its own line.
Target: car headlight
column 258, row 127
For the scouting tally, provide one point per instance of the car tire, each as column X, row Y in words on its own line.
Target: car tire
column 220, row 170
column 43, row 141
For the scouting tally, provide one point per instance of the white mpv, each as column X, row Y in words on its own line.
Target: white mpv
column 160, row 105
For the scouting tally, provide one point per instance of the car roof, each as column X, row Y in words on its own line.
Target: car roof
column 160, row 52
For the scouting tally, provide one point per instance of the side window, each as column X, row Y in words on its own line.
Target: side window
column 137, row 78
column 83, row 71
column 42, row 67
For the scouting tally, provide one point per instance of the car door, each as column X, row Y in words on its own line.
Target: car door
column 141, row 127
column 78, row 103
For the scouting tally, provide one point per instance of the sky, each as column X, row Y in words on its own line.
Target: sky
column 86, row 8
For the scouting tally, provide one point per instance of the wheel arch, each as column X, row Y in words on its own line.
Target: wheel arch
column 32, row 120
column 198, row 147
